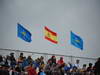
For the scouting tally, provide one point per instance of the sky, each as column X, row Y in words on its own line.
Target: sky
column 62, row 16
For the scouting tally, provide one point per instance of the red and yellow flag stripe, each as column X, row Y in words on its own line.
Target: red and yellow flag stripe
column 50, row 35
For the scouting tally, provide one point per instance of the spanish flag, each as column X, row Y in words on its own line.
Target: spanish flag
column 50, row 35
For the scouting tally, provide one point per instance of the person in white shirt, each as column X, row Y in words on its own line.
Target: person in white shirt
column 77, row 65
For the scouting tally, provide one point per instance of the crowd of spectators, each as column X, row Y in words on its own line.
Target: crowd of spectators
column 27, row 66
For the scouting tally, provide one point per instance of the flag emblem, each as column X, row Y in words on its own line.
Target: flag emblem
column 50, row 35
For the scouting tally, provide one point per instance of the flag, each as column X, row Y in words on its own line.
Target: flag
column 76, row 41
column 50, row 35
column 23, row 33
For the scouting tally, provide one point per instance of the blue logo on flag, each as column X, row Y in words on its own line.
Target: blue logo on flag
column 76, row 41
column 23, row 33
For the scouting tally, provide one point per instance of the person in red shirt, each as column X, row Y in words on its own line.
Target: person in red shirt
column 31, row 70
column 60, row 61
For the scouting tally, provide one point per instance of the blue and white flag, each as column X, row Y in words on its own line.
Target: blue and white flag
column 76, row 41
column 23, row 33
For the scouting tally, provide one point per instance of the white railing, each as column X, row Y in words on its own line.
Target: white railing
column 34, row 55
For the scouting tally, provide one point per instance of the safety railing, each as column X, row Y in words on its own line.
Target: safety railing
column 34, row 55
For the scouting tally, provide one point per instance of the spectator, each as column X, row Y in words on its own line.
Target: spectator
column 41, row 60
column 97, row 67
column 60, row 61
column 67, row 68
column 17, row 70
column 31, row 70
column 12, row 59
column 7, row 60
column 48, row 68
column 41, row 71
column 21, row 58
column 37, row 63
column 1, row 59
column 25, row 63
column 84, row 68
column 4, row 70
column 29, row 59
column 52, row 60
column 90, row 69
column 77, row 64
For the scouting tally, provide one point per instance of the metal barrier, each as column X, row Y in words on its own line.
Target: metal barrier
column 34, row 55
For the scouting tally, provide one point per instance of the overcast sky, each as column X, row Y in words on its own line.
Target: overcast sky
column 62, row 16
